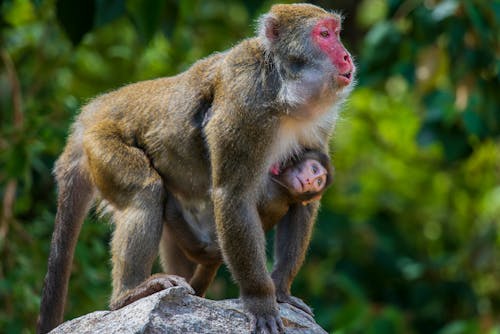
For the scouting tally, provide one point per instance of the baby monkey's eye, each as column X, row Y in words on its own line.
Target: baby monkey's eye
column 315, row 169
column 319, row 182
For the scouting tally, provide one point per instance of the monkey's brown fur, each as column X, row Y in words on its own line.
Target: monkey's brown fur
column 271, row 96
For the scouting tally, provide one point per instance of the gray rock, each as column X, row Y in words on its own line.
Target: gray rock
column 174, row 311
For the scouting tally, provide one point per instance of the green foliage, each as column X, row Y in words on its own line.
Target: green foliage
column 446, row 51
column 407, row 240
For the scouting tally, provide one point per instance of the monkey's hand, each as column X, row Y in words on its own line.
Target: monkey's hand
column 267, row 323
column 297, row 303
column 315, row 198
column 150, row 286
column 266, row 315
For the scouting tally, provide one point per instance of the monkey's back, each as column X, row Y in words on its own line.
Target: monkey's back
column 163, row 118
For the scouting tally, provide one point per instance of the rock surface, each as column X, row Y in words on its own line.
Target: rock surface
column 174, row 311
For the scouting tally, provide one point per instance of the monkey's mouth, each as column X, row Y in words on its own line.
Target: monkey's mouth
column 344, row 78
column 347, row 75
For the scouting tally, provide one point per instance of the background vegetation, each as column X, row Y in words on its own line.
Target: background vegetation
column 408, row 237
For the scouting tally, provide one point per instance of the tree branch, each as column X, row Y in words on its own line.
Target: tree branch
column 18, row 119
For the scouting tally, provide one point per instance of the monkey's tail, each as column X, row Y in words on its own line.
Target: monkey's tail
column 75, row 197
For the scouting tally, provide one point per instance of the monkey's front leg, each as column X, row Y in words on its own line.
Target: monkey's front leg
column 292, row 239
column 243, row 246
column 239, row 157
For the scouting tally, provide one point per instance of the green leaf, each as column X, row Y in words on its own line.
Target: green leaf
column 252, row 6
column 170, row 17
column 495, row 8
column 76, row 18
column 460, row 327
column 146, row 15
column 439, row 106
column 455, row 144
column 37, row 3
column 381, row 45
column 477, row 19
column 473, row 123
column 108, row 10
column 444, row 10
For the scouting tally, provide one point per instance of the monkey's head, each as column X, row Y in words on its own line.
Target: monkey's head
column 304, row 43
column 307, row 179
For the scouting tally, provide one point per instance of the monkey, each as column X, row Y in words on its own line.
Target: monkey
column 302, row 179
column 271, row 96
column 196, row 255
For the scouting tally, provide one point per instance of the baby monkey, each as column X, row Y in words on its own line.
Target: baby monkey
column 301, row 180
column 189, row 249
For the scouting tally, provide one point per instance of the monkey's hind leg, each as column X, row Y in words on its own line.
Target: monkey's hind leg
column 203, row 276
column 174, row 261
column 177, row 269
column 172, row 258
column 125, row 177
column 74, row 199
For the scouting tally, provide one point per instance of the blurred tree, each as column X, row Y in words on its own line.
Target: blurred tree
column 407, row 240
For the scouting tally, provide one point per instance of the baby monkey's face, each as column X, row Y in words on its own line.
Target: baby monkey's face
column 308, row 176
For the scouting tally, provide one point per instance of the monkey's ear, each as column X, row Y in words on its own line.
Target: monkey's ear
column 268, row 28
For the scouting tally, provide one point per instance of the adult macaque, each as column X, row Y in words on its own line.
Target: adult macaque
column 189, row 247
column 271, row 96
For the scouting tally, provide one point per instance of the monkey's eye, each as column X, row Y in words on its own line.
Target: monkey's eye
column 325, row 34
column 314, row 169
column 319, row 182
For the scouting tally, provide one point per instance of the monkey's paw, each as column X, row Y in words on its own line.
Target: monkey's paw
column 165, row 281
column 153, row 284
column 297, row 303
column 265, row 314
column 268, row 324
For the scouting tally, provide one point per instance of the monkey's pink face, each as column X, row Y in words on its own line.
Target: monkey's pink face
column 326, row 35
column 307, row 177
